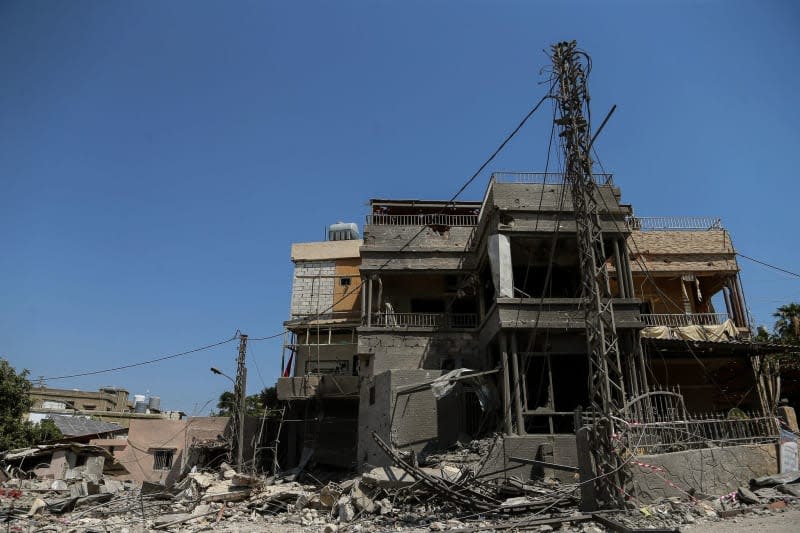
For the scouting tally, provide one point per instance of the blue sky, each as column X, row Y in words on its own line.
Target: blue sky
column 158, row 158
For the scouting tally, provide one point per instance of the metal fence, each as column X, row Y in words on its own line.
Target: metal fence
column 668, row 433
column 673, row 223
column 433, row 219
column 685, row 319
column 554, row 178
column 426, row 320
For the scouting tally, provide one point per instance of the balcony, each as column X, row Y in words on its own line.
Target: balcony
column 425, row 320
column 325, row 386
column 686, row 319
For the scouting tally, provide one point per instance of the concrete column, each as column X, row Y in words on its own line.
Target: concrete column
column 622, row 285
column 738, row 312
column 726, row 293
column 626, row 264
column 740, row 297
column 380, row 293
column 369, row 302
column 505, row 389
column 499, row 249
column 363, row 302
column 586, row 469
column 517, row 384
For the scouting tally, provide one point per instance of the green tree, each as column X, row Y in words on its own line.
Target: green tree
column 254, row 404
column 787, row 327
column 15, row 402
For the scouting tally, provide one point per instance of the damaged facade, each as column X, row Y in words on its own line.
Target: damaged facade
column 488, row 294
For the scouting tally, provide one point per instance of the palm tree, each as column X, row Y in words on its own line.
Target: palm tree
column 787, row 327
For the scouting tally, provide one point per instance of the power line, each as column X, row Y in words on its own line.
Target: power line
column 461, row 189
column 310, row 318
column 795, row 274
column 148, row 362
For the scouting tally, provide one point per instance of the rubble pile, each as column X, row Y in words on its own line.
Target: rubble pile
column 404, row 497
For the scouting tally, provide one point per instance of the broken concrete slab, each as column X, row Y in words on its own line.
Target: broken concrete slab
column 165, row 519
column 361, row 500
column 243, row 480
column 204, row 480
column 224, row 491
column 388, row 477
column 747, row 496
column 792, row 489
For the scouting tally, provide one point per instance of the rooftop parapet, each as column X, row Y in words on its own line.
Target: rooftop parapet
column 673, row 223
column 550, row 178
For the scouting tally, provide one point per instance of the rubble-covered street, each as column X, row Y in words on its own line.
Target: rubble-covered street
column 446, row 495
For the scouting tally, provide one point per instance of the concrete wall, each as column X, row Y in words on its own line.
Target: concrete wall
column 683, row 251
column 373, row 259
column 559, row 449
column 347, row 298
column 334, row 353
column 452, row 238
column 710, row 471
column 321, row 386
column 408, row 420
column 325, row 250
column 414, row 349
column 145, row 436
column 547, row 197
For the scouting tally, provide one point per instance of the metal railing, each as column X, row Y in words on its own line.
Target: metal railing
column 554, row 178
column 670, row 433
column 686, row 319
column 426, row 320
column 432, row 219
column 673, row 223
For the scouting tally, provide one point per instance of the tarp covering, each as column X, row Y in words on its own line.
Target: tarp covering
column 719, row 333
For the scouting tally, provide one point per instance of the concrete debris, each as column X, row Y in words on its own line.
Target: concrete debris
column 403, row 497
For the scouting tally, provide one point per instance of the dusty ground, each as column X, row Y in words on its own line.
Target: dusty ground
column 787, row 521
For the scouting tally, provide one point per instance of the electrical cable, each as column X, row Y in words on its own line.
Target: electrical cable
column 795, row 274
column 142, row 363
column 461, row 189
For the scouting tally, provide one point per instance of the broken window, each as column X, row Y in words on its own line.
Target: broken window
column 162, row 459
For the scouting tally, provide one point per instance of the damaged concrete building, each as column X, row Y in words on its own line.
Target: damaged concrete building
column 322, row 391
column 487, row 294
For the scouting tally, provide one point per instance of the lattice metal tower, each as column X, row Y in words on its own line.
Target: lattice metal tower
column 606, row 382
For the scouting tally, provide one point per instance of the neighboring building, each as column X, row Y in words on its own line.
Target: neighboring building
column 106, row 399
column 494, row 287
column 83, row 429
column 159, row 451
column 108, row 404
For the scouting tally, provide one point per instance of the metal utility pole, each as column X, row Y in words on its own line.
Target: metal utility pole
column 240, row 395
column 606, row 385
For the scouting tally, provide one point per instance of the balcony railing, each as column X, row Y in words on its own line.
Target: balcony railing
column 425, row 320
column 553, row 178
column 673, row 223
column 679, row 320
column 432, row 219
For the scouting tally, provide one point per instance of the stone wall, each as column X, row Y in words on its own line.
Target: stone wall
column 710, row 471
